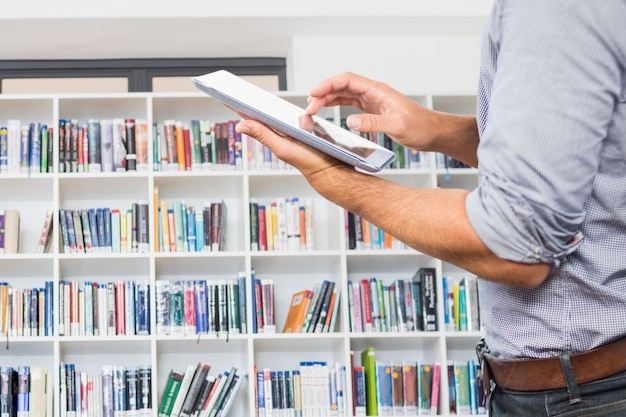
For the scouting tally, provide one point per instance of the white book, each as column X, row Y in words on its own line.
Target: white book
column 184, row 388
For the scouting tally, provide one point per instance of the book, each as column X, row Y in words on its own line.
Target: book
column 384, row 388
column 297, row 311
column 197, row 384
column 397, row 388
column 318, row 305
column 424, row 388
column 368, row 362
column 185, row 384
column 462, row 387
column 174, row 382
column 359, row 393
column 9, row 231
column 428, row 302
column 409, row 385
column 434, row 395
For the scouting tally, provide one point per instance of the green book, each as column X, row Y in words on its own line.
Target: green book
column 368, row 362
column 174, row 382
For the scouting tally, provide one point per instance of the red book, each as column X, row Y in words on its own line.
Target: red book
column 367, row 305
column 187, row 142
column 262, row 229
column 120, row 308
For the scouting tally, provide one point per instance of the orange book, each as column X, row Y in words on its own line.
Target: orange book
column 180, row 145
column 297, row 311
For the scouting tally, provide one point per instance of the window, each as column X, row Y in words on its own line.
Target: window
column 131, row 75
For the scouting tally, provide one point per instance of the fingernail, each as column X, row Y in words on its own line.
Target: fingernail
column 353, row 122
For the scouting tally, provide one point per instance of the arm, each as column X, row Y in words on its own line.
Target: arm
column 432, row 221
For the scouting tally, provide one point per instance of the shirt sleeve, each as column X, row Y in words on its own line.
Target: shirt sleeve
column 557, row 76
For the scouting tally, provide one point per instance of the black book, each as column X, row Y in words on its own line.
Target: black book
column 318, row 307
column 131, row 151
column 195, row 390
column 428, row 301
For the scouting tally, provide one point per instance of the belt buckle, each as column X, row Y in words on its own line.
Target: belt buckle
column 481, row 350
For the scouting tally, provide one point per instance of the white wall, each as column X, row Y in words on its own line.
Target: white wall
column 412, row 64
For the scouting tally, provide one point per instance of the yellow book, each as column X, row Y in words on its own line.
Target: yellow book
column 123, row 237
column 155, row 220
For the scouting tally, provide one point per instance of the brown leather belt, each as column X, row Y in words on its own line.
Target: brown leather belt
column 547, row 374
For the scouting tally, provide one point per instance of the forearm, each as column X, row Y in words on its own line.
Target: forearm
column 432, row 221
column 457, row 136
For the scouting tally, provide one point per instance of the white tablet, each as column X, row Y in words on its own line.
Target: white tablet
column 291, row 120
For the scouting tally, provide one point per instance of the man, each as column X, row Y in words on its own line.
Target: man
column 546, row 227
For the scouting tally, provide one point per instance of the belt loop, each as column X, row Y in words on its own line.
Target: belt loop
column 570, row 378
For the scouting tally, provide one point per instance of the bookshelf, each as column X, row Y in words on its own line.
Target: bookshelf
column 291, row 270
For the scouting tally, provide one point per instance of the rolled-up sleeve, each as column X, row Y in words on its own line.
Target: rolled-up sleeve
column 553, row 80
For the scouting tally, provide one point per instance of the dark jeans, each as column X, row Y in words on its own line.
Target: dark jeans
column 602, row 398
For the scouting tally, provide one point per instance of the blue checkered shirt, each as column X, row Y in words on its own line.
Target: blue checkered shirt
column 552, row 172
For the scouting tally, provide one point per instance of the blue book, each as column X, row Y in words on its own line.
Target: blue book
column 129, row 306
column 142, row 308
column 49, row 311
column 116, row 246
column 202, row 325
column 199, row 228
column 93, row 226
column 100, row 233
column 191, row 229
column 71, row 232
column 253, row 301
column 23, row 390
column 260, row 390
column 471, row 367
column 108, row 239
column 35, row 148
column 384, row 388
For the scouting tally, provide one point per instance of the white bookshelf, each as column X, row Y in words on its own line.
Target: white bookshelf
column 291, row 271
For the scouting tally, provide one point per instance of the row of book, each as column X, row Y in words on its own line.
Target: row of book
column 465, row 388
column 284, row 223
column 116, row 391
column 26, row 312
column 184, row 228
column 316, row 388
column 262, row 304
column 106, row 230
column 461, row 304
column 201, row 306
column 394, row 387
column 25, row 147
column 104, row 309
column 9, row 231
column 103, row 145
column 401, row 306
column 198, row 145
column 26, row 391
column 364, row 235
column 313, row 310
column 198, row 393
